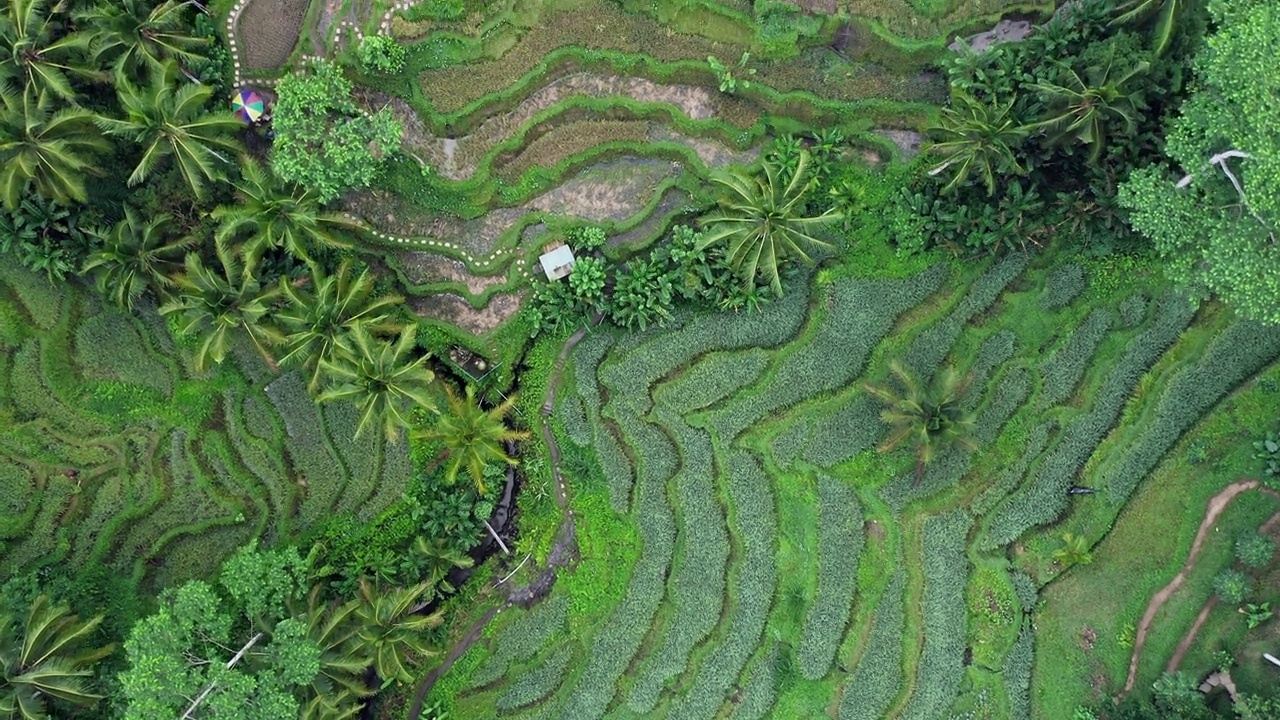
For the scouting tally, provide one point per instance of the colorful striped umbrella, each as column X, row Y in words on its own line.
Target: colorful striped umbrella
column 247, row 105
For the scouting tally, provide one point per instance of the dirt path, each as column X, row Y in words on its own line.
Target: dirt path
column 1185, row 645
column 564, row 549
column 1217, row 504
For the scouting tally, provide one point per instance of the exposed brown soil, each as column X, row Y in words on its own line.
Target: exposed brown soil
column 711, row 153
column 422, row 268
column 1217, row 504
column 610, row 191
column 267, row 30
column 455, row 310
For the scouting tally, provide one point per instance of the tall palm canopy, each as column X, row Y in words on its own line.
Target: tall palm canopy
column 136, row 255
column 389, row 631
column 321, row 315
column 276, row 215
column 338, row 688
column 42, row 659
column 53, row 151
column 33, row 57
column 214, row 303
column 1165, row 11
column 474, row 436
column 1083, row 109
column 932, row 419
column 761, row 222
column 380, row 377
column 171, row 121
column 978, row 137
column 136, row 37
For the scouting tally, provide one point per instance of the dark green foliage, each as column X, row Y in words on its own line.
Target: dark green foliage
column 1044, row 497
column 942, row 659
column 1237, row 353
column 1017, row 673
column 875, row 683
column 1064, row 369
column 587, row 281
column 840, row 541
column 1268, row 451
column 381, row 54
column 1232, row 586
column 1062, row 286
column 641, row 296
column 44, row 237
column 1254, row 549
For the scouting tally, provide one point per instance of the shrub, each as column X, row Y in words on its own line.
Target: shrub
column 696, row 586
column 1232, row 586
column 877, row 679
column 642, row 296
column 323, row 142
column 522, row 637
column 752, row 514
column 1062, row 286
column 625, row 630
column 941, row 667
column 836, row 351
column 381, row 54
column 1243, row 349
column 1132, row 310
column 1064, row 369
column 1254, row 549
column 1268, row 451
column 587, row 238
column 536, row 684
column 839, row 545
column 1017, row 673
column 932, row 345
column 712, row 378
column 1045, row 497
column 1025, row 588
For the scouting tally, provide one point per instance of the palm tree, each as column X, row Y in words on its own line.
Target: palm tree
column 977, row 137
column 32, row 53
column 135, row 256
column 214, row 303
column 319, row 322
column 379, row 377
column 435, row 559
column 389, row 631
column 1140, row 10
column 168, row 121
column 1082, row 110
column 137, row 37
column 338, row 688
column 760, row 221
column 474, row 436
column 48, row 149
column 1074, row 551
column 932, row 419
column 277, row 215
column 41, row 660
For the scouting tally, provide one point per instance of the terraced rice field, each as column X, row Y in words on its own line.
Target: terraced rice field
column 746, row 553
column 117, row 454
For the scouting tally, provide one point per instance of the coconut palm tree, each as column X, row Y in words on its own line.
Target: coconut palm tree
column 171, row 121
column 213, row 302
column 389, row 631
column 41, row 660
column 978, row 137
column 380, row 377
column 1074, row 551
column 36, row 55
column 136, row 255
column 276, row 215
column 1082, row 110
column 762, row 223
column 320, row 316
column 136, row 37
column 1165, row 11
column 435, row 559
column 932, row 418
column 338, row 688
column 473, row 436
column 52, row 150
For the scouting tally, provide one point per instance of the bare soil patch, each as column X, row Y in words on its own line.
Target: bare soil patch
column 423, row 268
column 711, row 153
column 671, row 199
column 455, row 310
column 268, row 30
column 908, row 141
column 615, row 190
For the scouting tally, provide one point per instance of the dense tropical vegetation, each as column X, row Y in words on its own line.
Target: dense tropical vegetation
column 294, row 424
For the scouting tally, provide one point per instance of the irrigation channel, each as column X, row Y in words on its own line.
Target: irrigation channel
column 564, row 547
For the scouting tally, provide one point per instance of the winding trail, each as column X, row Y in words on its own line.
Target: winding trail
column 1217, row 504
column 564, row 548
column 1185, row 645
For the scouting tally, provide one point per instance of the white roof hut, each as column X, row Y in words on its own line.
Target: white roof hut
column 557, row 261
